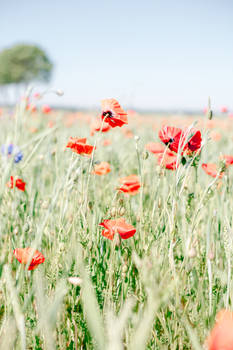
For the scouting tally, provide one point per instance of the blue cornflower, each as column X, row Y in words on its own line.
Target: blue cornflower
column 10, row 149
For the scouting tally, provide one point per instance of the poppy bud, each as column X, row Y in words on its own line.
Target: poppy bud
column 210, row 114
column 45, row 205
column 159, row 203
column 117, row 240
column 59, row 92
column 211, row 255
column 125, row 255
column 124, row 268
column 76, row 281
column 62, row 247
column 113, row 212
column 136, row 138
column 16, row 231
column 145, row 155
column 26, row 227
column 121, row 201
column 80, row 201
column 192, row 253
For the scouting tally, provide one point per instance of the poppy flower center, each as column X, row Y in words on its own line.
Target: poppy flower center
column 107, row 114
column 170, row 141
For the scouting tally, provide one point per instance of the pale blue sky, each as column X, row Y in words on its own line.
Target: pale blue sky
column 148, row 54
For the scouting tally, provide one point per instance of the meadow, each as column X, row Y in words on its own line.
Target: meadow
column 155, row 281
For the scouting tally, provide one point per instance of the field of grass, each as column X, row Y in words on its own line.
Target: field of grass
column 159, row 289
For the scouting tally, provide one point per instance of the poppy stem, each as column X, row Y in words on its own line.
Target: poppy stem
column 91, row 163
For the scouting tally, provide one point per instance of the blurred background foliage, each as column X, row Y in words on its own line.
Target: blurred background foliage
column 23, row 64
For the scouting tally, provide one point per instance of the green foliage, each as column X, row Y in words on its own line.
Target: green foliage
column 23, row 64
column 147, row 293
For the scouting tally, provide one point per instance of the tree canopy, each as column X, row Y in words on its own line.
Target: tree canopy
column 23, row 64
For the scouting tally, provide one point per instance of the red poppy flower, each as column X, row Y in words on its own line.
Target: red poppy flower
column 168, row 160
column 33, row 130
column 130, row 185
column 194, row 141
column 224, row 109
column 102, row 168
column 31, row 107
column 46, row 109
column 211, row 169
column 99, row 125
column 228, row 159
column 170, row 136
column 128, row 133
column 23, row 255
column 155, row 147
column 111, row 227
column 176, row 137
column 17, row 183
column 51, row 124
column 79, row 146
column 106, row 142
column 37, row 95
column 112, row 113
column 221, row 336
column 215, row 136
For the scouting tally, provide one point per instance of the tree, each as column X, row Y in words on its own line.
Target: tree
column 22, row 64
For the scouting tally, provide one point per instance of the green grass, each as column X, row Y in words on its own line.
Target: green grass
column 148, row 293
